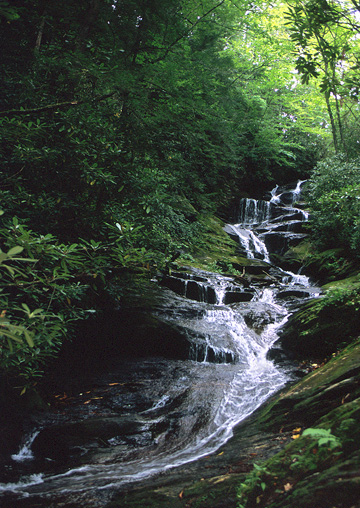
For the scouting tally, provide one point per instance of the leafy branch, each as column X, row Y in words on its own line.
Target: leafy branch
column 56, row 106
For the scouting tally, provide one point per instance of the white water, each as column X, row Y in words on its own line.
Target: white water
column 254, row 211
column 244, row 386
column 227, row 377
column 253, row 245
column 22, row 484
column 276, row 198
column 25, row 452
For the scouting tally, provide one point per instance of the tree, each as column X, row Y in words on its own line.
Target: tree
column 324, row 32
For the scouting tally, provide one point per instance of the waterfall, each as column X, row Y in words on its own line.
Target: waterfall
column 252, row 243
column 253, row 211
column 286, row 195
column 275, row 224
column 25, row 452
column 170, row 411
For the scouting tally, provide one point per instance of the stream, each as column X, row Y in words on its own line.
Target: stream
column 142, row 416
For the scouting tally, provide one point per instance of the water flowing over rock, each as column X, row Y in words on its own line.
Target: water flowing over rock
column 276, row 224
column 209, row 334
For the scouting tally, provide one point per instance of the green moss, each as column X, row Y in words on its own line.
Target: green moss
column 347, row 283
column 325, row 325
column 301, row 458
column 316, row 394
column 216, row 251
column 338, row 485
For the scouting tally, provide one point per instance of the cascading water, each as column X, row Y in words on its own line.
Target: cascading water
column 174, row 411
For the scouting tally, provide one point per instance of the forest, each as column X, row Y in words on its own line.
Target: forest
column 125, row 126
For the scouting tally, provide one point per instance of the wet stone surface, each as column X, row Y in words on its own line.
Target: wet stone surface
column 179, row 366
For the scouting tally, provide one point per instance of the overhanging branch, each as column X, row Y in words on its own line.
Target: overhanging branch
column 56, row 106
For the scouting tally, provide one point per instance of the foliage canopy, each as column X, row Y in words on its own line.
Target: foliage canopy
column 123, row 122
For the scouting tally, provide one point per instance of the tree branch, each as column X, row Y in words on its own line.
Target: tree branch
column 178, row 39
column 58, row 105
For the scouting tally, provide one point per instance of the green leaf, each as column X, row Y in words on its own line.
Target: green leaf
column 28, row 338
column 10, row 269
column 11, row 347
column 25, row 307
column 11, row 336
column 15, row 250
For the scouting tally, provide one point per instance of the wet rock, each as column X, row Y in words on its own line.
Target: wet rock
column 238, row 296
column 200, row 292
column 289, row 226
column 192, row 287
column 316, row 394
column 174, row 283
column 291, row 293
column 280, row 242
column 60, row 442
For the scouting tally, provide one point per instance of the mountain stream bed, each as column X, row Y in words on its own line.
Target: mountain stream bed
column 143, row 416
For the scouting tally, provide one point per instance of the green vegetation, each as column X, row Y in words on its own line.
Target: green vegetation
column 126, row 129
column 123, row 128
column 322, row 460
column 334, row 198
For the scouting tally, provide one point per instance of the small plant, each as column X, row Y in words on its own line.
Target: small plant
column 254, row 485
column 325, row 438
column 315, row 449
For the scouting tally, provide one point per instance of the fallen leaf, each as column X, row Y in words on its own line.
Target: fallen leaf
column 287, row 487
column 221, row 479
column 221, row 453
column 295, row 436
column 181, row 495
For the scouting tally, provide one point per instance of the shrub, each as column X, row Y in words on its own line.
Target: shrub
column 333, row 193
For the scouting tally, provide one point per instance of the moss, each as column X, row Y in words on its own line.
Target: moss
column 301, row 458
column 317, row 393
column 349, row 282
column 217, row 492
column 325, row 325
column 217, row 251
column 338, row 485
column 313, row 469
column 306, row 472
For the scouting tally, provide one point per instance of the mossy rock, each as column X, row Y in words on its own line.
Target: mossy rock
column 316, row 394
column 320, row 467
column 217, row 252
column 329, row 265
column 216, row 492
column 318, row 330
column 337, row 486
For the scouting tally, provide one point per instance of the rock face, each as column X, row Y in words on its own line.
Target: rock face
column 199, row 288
column 196, row 288
column 318, row 330
column 298, row 472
